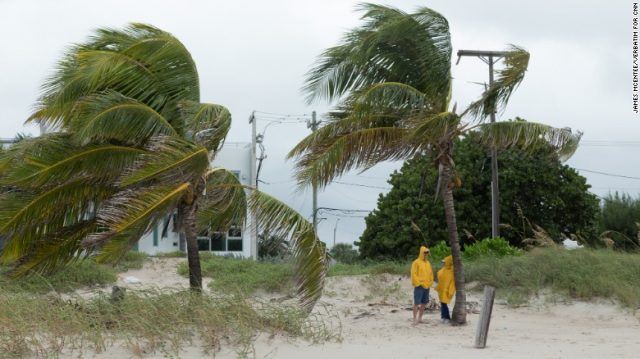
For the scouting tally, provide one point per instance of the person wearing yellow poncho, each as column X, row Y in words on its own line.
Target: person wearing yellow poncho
column 446, row 288
column 421, row 280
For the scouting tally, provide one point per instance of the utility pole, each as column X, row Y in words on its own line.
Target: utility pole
column 490, row 58
column 254, row 181
column 335, row 228
column 313, row 125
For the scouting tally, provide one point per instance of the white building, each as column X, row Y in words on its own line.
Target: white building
column 237, row 158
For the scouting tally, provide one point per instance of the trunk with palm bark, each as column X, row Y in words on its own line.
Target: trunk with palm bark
column 459, row 314
column 188, row 215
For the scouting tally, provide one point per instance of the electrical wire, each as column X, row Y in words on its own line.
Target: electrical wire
column 608, row 174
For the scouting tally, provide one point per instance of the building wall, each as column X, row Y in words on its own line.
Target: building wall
column 235, row 157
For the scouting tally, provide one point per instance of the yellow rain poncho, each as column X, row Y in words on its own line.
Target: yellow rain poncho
column 421, row 272
column 446, row 285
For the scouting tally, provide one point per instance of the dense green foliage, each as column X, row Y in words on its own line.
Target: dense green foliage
column 344, row 253
column 548, row 193
column 486, row 248
column 490, row 248
column 619, row 223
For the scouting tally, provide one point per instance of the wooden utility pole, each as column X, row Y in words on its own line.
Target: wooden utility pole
column 313, row 125
column 490, row 58
column 335, row 229
column 485, row 317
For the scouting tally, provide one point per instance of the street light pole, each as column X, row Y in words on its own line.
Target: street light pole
column 490, row 58
column 313, row 125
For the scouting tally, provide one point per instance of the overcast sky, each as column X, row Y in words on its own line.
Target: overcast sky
column 252, row 55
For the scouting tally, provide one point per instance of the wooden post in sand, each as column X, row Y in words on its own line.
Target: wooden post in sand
column 485, row 317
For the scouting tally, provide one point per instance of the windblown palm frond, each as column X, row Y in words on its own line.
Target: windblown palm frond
column 435, row 128
column 308, row 252
column 30, row 218
column 126, row 216
column 391, row 46
column 357, row 149
column 59, row 248
column 224, row 202
column 206, row 124
column 529, row 135
column 112, row 116
column 99, row 162
column 508, row 79
column 139, row 62
column 168, row 160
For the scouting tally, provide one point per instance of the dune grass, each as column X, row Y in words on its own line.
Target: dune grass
column 243, row 275
column 82, row 273
column 145, row 322
column 578, row 274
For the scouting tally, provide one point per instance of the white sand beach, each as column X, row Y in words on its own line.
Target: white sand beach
column 371, row 316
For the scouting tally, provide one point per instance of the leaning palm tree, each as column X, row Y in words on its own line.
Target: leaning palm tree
column 128, row 144
column 392, row 80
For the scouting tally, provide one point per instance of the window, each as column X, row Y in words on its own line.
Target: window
column 234, row 239
column 218, row 242
column 203, row 244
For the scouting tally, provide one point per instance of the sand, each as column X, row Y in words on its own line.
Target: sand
column 369, row 313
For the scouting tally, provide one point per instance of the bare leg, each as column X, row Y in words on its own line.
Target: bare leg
column 420, row 312
column 415, row 313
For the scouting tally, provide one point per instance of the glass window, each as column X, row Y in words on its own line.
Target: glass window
column 235, row 232
column 203, row 244
column 234, row 245
column 218, row 242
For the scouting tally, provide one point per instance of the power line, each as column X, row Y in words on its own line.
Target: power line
column 283, row 114
column 608, row 174
column 360, row 185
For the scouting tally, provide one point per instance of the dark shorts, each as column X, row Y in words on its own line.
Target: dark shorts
column 420, row 295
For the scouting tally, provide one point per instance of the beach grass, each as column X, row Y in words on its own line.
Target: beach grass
column 146, row 322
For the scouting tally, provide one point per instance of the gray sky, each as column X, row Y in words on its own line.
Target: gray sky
column 252, row 55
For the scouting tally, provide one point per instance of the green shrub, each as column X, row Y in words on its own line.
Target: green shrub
column 439, row 251
column 490, row 247
column 344, row 253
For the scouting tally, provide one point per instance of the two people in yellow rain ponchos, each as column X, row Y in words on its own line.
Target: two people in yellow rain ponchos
column 446, row 288
column 422, row 279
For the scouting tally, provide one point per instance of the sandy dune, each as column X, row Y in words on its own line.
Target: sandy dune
column 370, row 314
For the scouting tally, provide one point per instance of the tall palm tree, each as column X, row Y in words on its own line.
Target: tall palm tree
column 130, row 143
column 392, row 80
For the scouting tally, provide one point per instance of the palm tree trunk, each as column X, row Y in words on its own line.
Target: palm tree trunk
column 459, row 314
column 193, row 256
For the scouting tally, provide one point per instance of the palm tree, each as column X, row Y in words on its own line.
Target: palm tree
column 392, row 80
column 130, row 143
